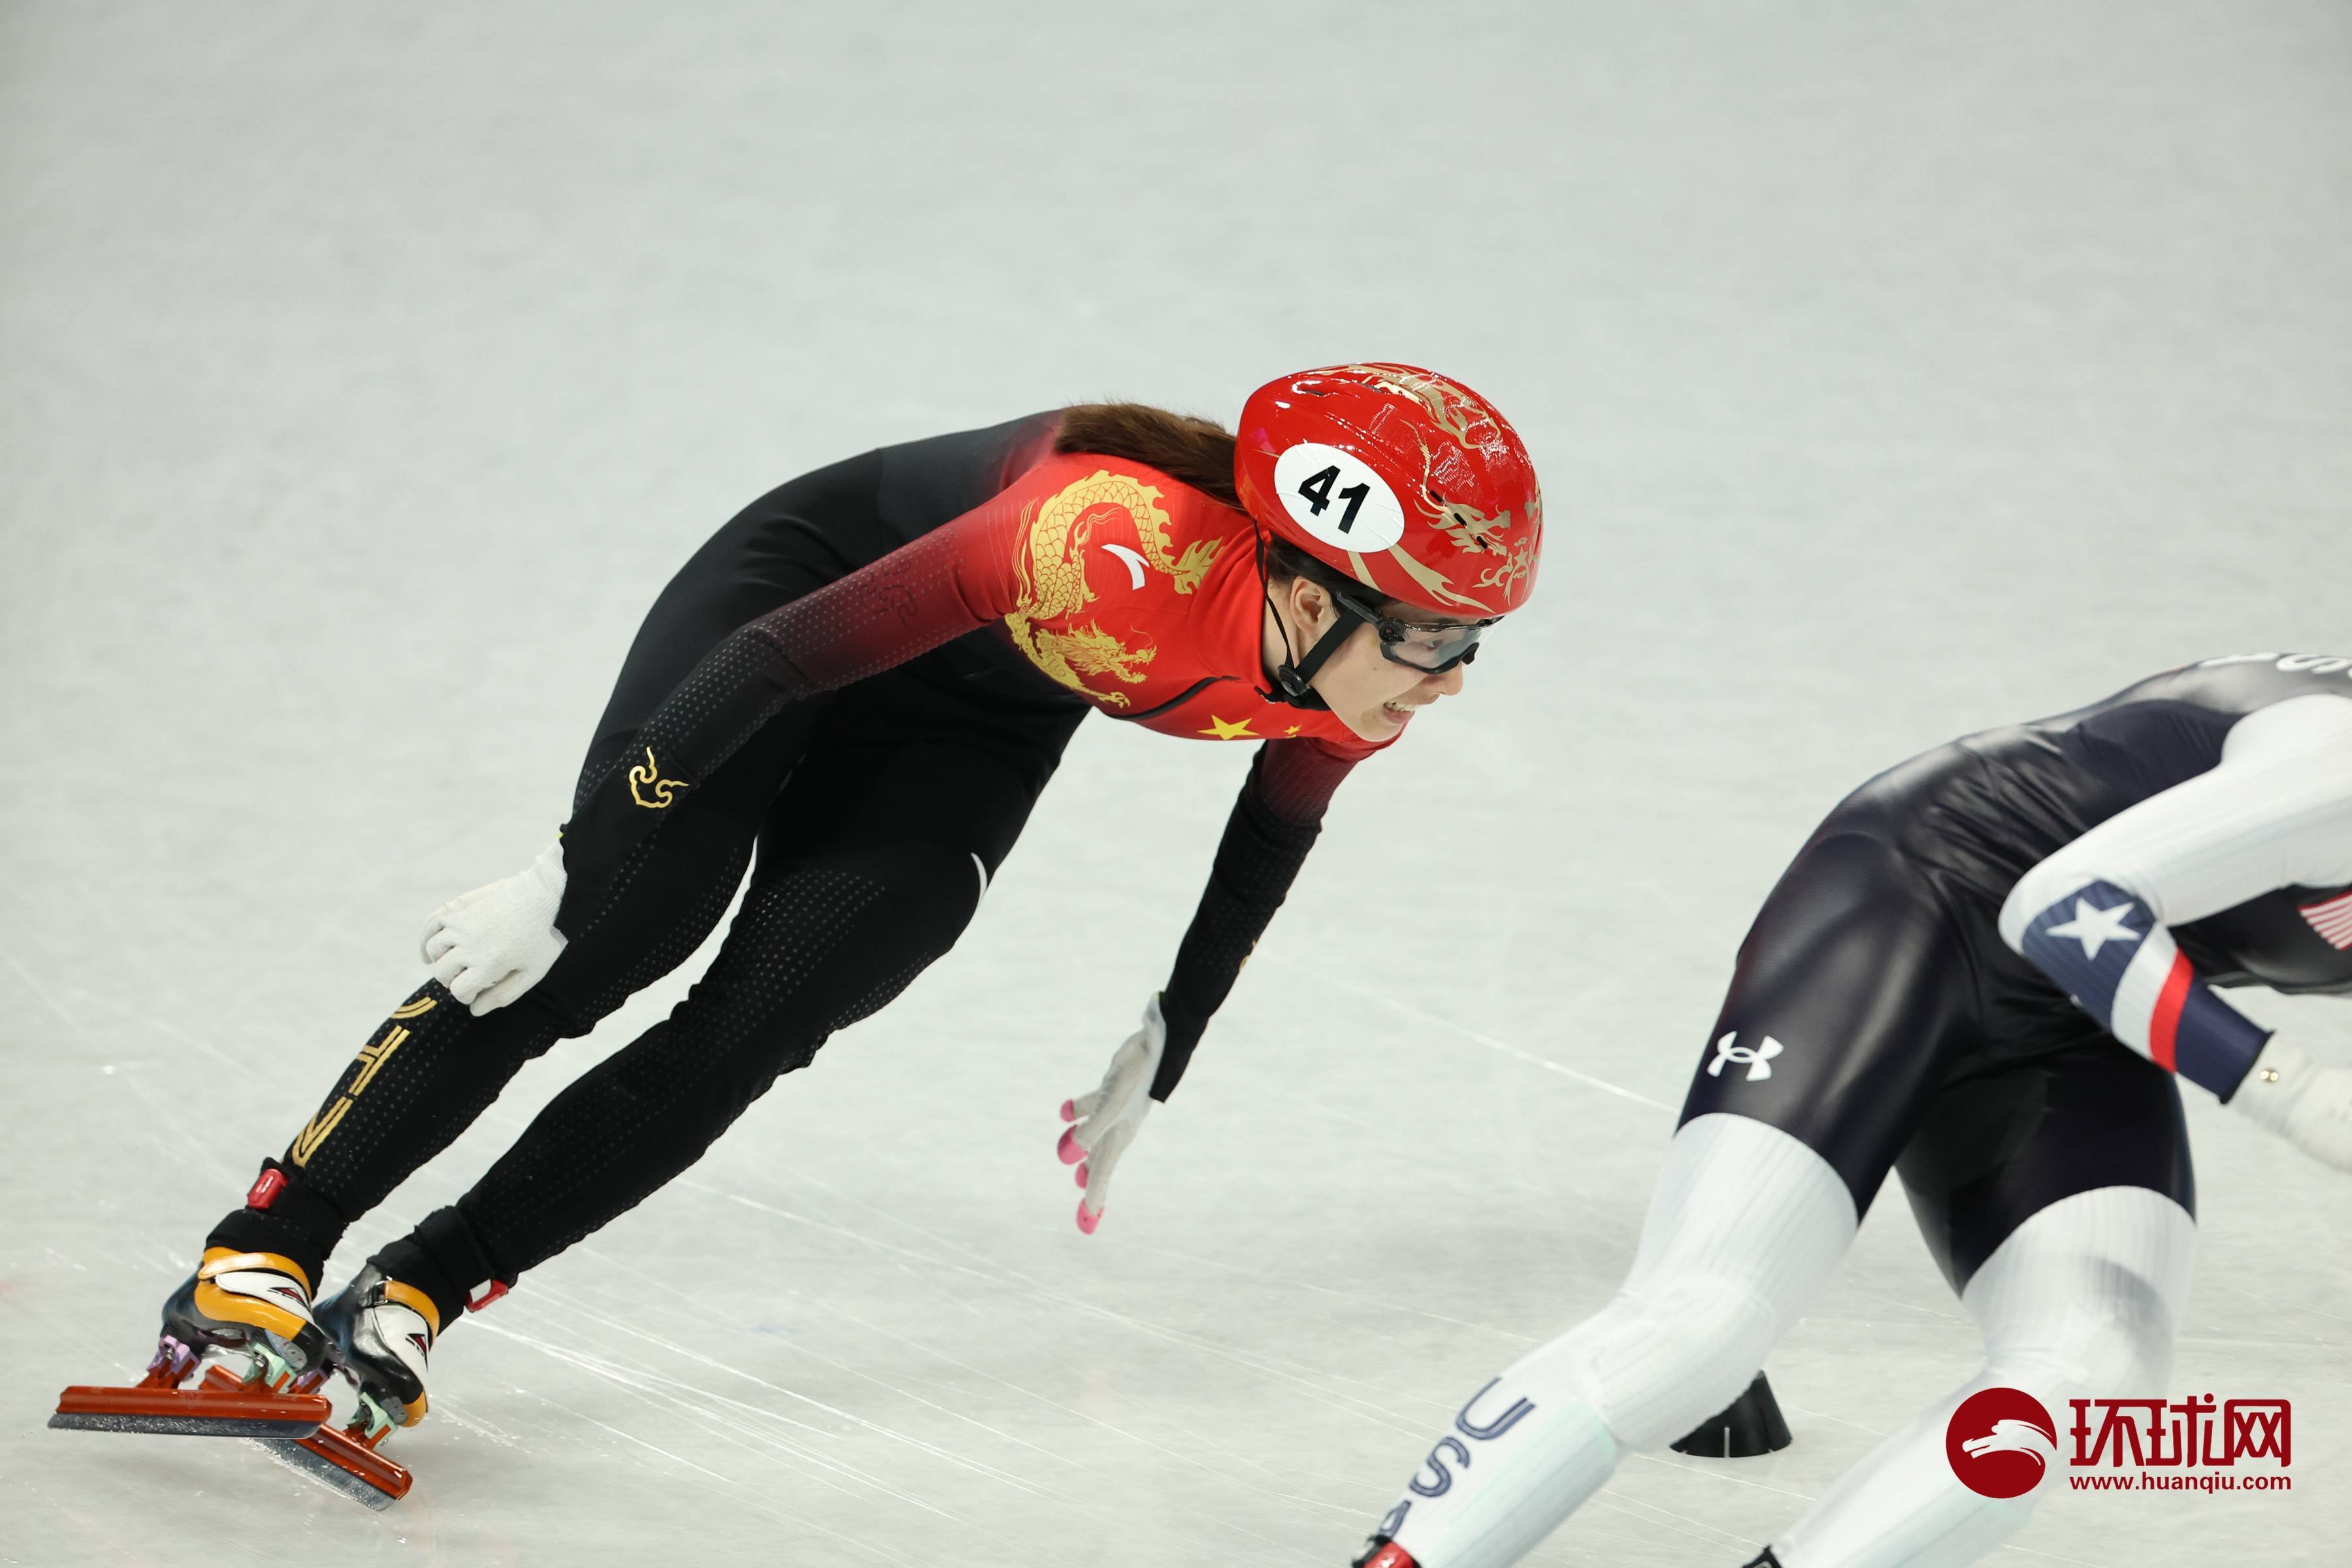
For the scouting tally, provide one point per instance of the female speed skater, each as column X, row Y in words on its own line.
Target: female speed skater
column 868, row 676
column 1986, row 970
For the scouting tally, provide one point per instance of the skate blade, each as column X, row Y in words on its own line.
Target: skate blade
column 364, row 1477
column 238, row 1410
column 331, row 1455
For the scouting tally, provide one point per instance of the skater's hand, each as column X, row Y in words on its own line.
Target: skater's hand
column 491, row 945
column 1108, row 1116
column 2308, row 1105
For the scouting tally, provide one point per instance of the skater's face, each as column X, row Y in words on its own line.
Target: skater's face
column 1370, row 693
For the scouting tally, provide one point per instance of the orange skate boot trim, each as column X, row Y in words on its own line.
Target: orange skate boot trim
column 416, row 1302
column 236, row 1287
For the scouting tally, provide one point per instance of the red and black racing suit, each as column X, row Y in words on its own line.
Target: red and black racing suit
column 867, row 679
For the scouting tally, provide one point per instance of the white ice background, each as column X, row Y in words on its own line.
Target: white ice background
column 1893, row 369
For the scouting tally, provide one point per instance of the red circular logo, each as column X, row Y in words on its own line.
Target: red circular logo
column 2000, row 1442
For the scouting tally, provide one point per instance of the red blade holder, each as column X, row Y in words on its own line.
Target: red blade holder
column 344, row 1449
column 223, row 1407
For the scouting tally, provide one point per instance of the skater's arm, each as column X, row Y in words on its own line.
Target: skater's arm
column 1275, row 821
column 953, row 580
column 2275, row 812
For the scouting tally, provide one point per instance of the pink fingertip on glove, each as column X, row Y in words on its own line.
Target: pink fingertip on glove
column 1069, row 1148
column 1082, row 1175
column 1086, row 1222
column 1069, row 1111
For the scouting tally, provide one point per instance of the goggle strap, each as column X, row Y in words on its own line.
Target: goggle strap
column 1295, row 677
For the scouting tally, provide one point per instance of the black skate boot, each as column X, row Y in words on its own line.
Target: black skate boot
column 255, row 1307
column 383, row 1332
column 257, row 1301
column 376, row 1331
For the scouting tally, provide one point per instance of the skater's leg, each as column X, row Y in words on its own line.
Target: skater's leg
column 874, row 860
column 431, row 1068
column 423, row 1077
column 1847, row 1009
column 2076, row 1285
column 2083, row 1299
column 1746, row 1223
column 813, row 949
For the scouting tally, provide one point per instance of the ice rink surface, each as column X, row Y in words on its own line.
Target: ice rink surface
column 1894, row 371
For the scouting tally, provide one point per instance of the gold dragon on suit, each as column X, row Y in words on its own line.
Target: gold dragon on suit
column 1053, row 568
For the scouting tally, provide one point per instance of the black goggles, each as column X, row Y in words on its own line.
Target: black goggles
column 1431, row 646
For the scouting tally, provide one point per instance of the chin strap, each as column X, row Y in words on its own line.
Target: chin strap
column 1295, row 677
column 1295, row 674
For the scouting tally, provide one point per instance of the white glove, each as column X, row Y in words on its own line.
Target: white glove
column 491, row 945
column 2308, row 1105
column 1108, row 1117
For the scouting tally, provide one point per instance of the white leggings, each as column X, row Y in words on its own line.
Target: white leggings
column 1746, row 1225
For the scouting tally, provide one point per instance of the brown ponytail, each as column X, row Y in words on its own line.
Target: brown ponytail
column 1197, row 452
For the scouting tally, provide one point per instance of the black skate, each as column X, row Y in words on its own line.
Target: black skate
column 383, row 1331
column 255, row 1309
column 377, row 1333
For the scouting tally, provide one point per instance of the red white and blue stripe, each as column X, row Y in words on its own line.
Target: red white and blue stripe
column 2100, row 944
column 2332, row 919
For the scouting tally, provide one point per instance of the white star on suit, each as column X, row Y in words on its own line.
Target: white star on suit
column 2097, row 928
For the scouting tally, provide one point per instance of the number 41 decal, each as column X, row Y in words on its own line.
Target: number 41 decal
column 1336, row 499
column 1316, row 489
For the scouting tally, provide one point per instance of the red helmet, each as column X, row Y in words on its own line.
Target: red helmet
column 1413, row 484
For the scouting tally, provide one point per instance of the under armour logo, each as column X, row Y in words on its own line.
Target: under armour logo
column 1757, row 1060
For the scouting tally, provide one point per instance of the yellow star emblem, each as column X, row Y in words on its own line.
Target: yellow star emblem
column 1222, row 730
column 1292, row 731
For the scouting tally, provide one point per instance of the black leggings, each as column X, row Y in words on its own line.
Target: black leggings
column 877, row 814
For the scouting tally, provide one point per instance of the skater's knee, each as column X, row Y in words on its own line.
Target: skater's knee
column 2108, row 1336
column 916, row 897
column 1746, row 1201
column 1746, row 1223
column 770, row 1055
column 2093, row 1347
column 823, row 942
column 2085, row 1296
column 818, row 944
column 1656, row 1362
column 1706, row 1334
